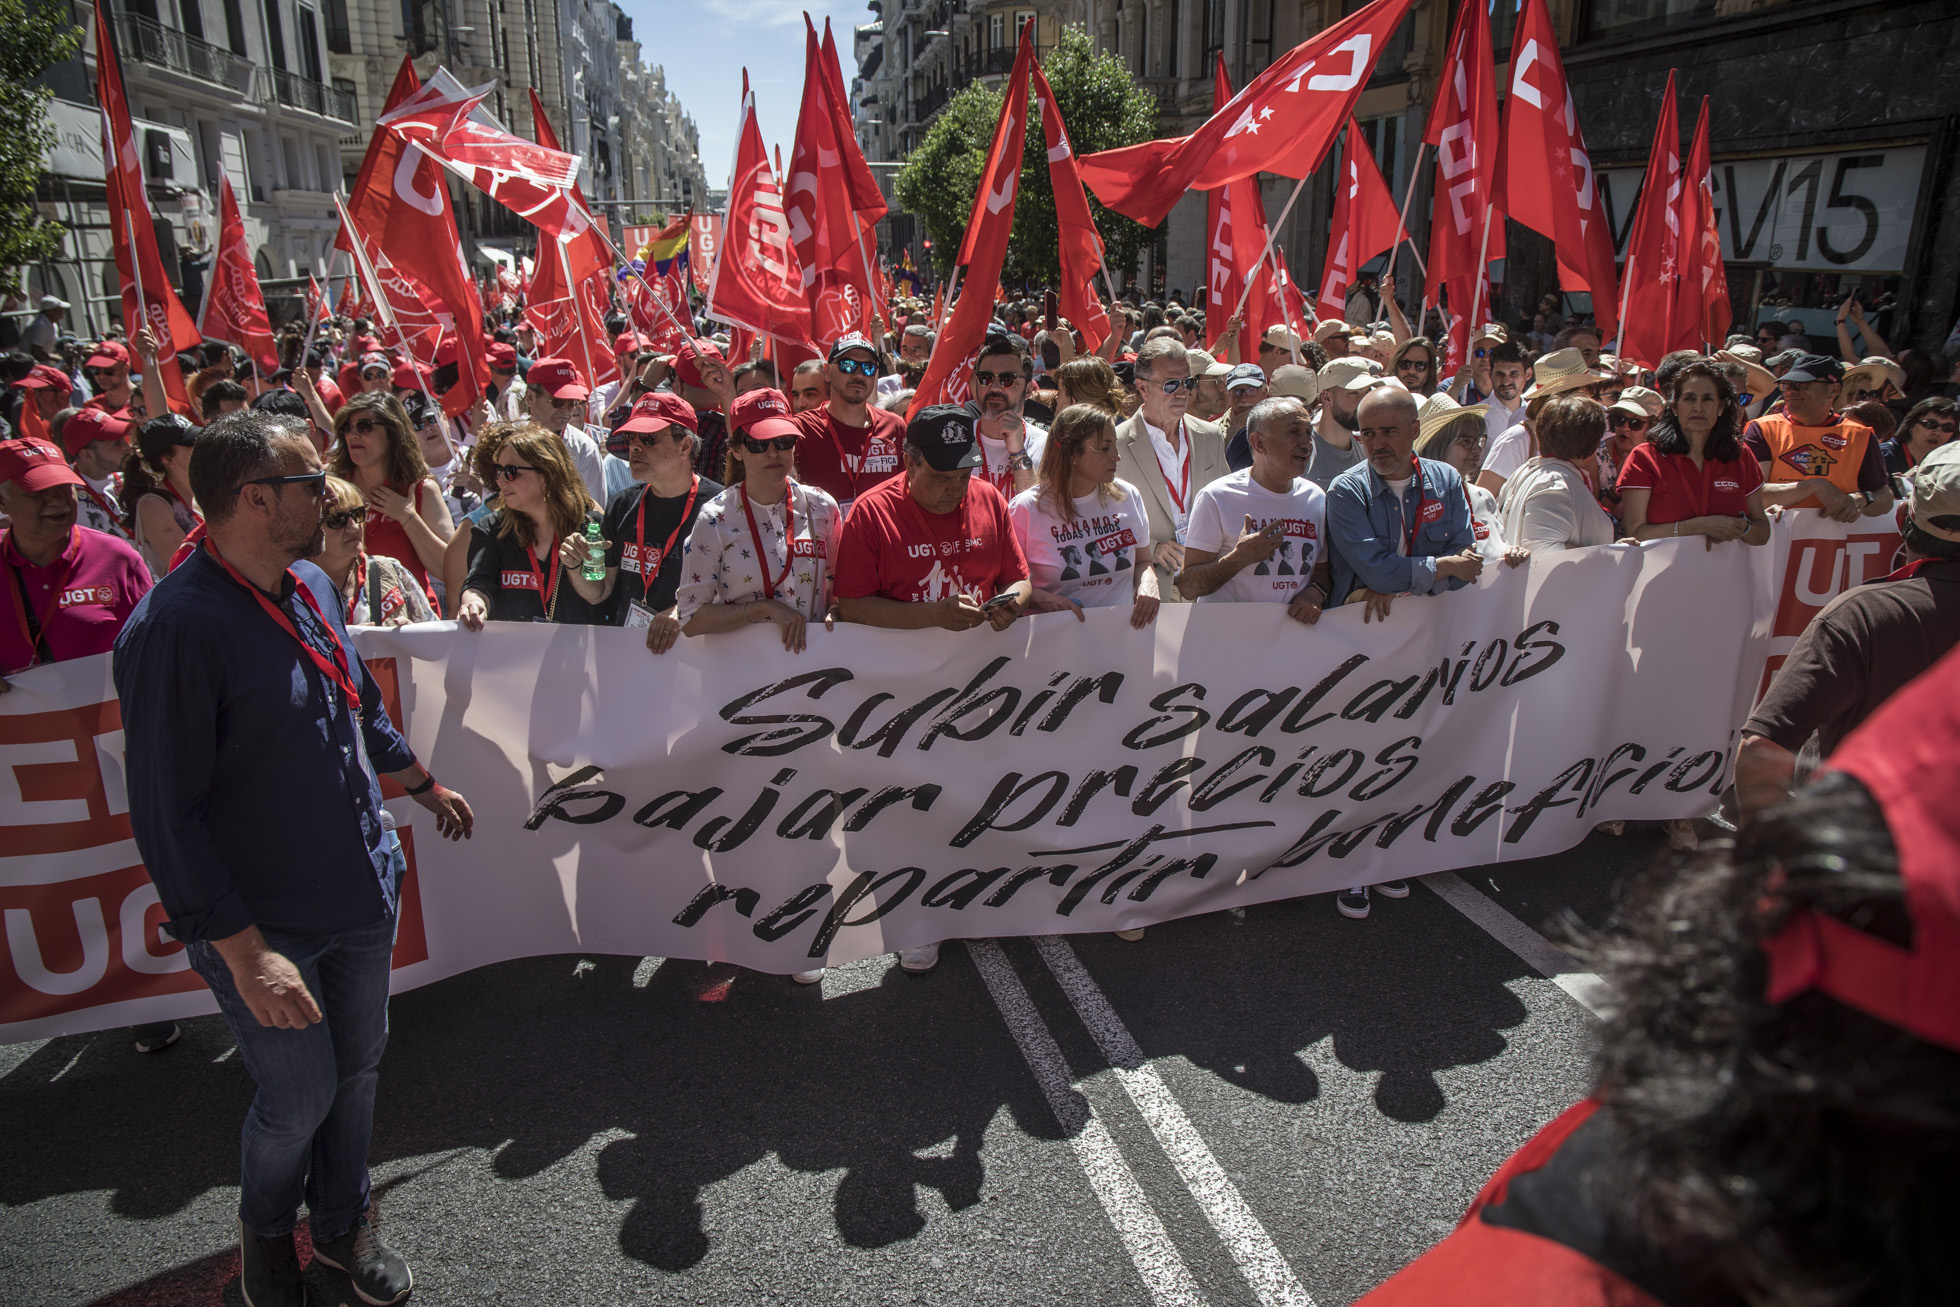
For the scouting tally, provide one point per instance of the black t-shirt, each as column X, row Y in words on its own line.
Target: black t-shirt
column 668, row 524
column 501, row 570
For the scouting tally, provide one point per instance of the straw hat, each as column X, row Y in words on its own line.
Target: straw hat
column 1439, row 410
column 1878, row 371
column 1560, row 371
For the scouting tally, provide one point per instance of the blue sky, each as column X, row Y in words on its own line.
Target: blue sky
column 704, row 44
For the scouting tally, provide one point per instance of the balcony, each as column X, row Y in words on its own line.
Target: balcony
column 296, row 92
column 145, row 40
column 990, row 63
column 930, row 103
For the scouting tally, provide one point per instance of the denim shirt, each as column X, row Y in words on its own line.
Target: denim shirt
column 251, row 794
column 1365, row 524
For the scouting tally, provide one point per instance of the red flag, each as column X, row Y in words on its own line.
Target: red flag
column 349, row 304
column 1284, row 121
column 1545, row 175
column 1081, row 247
column 757, row 282
column 401, row 206
column 234, row 308
column 705, row 242
column 1702, row 314
column 1654, row 246
column 866, row 199
column 1222, row 282
column 1365, row 219
column 570, row 291
column 147, row 296
column 316, row 299
column 1465, row 231
column 822, row 223
column 948, row 375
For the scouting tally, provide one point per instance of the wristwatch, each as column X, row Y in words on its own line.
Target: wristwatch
column 1018, row 461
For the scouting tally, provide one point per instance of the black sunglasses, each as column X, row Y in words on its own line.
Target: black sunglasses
column 1947, row 429
column 996, row 378
column 1171, row 385
column 316, row 480
column 1628, row 420
column 781, row 444
column 361, row 426
column 510, row 471
column 341, row 519
column 652, row 439
column 861, row 367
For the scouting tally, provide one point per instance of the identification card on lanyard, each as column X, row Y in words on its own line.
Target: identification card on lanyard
column 638, row 615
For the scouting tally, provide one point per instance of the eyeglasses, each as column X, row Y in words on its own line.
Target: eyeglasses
column 1171, row 385
column 1479, row 353
column 361, row 426
column 996, row 378
column 1947, row 429
column 1628, row 421
column 343, row 518
column 315, row 481
column 652, row 439
column 96, row 374
column 511, row 471
column 781, row 444
column 857, row 367
column 557, row 403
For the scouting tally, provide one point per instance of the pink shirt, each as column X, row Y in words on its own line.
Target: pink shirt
column 81, row 600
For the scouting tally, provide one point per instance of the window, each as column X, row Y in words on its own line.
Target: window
column 345, row 85
column 275, row 33
column 235, row 26
column 1599, row 18
column 190, row 16
column 1176, row 39
column 996, row 31
column 1212, row 38
column 309, row 44
column 340, row 37
column 1256, row 22
column 1022, row 17
column 1503, row 25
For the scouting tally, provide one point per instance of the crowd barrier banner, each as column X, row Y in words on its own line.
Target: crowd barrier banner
column 1813, row 561
column 731, row 801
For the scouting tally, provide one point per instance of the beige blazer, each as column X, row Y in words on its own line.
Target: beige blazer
column 1136, row 463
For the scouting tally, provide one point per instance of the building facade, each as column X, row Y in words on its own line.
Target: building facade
column 1832, row 126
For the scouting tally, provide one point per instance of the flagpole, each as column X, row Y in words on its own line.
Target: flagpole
column 1477, row 293
column 659, row 301
column 382, row 307
column 1272, row 234
column 1402, row 223
column 136, row 272
column 952, row 292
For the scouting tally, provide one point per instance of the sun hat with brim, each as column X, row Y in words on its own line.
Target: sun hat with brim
column 1490, row 331
column 34, row 465
column 1350, row 373
column 1936, row 491
column 1640, row 402
column 1439, row 410
column 1875, row 373
column 1292, row 381
column 1760, row 380
column 1560, row 371
column 1204, row 365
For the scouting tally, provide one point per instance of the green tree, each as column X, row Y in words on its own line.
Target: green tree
column 1103, row 107
column 39, row 35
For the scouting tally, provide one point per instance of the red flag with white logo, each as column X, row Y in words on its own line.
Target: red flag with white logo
column 1284, row 121
column 570, row 291
column 1702, row 314
column 1545, row 175
column 400, row 204
column 948, row 375
column 1081, row 245
column 757, row 282
column 822, row 222
column 234, row 308
column 147, row 296
column 866, row 200
column 1465, row 231
column 1653, row 266
column 1365, row 218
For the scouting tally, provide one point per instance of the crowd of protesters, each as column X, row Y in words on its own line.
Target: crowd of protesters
column 1329, row 466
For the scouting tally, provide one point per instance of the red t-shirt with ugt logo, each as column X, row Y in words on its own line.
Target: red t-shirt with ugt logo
column 891, row 547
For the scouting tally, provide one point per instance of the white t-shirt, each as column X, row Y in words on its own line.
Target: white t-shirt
column 993, row 457
column 1498, row 419
column 1090, row 560
column 587, row 459
column 1508, row 452
column 1218, row 515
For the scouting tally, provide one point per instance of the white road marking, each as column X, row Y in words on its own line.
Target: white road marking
column 1540, row 954
column 1156, row 1257
column 1259, row 1259
column 643, row 974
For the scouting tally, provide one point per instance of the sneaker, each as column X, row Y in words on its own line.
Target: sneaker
column 1393, row 889
column 1681, row 835
column 268, row 1270
column 1611, row 828
column 1353, row 902
column 1132, row 935
column 923, row 958
column 808, row 977
column 378, row 1273
column 156, row 1036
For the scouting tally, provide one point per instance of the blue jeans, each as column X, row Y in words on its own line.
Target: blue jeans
column 307, row 1132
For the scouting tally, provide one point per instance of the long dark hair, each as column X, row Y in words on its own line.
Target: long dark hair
column 1799, row 1152
column 404, row 467
column 1725, row 441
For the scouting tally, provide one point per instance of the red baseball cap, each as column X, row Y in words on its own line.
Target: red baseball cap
column 366, row 345
column 108, row 354
column 626, row 342
column 45, row 376
column 685, row 360
column 86, row 426
column 1904, row 755
column 35, row 465
column 445, row 350
column 410, row 375
column 501, row 356
column 762, row 415
column 558, row 378
column 658, row 409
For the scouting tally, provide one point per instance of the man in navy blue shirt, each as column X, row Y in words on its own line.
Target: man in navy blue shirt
column 253, row 734
column 1396, row 525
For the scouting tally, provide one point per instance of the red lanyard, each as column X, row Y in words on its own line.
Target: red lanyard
column 171, row 490
column 545, row 588
column 1178, row 495
column 337, row 670
column 29, row 630
column 108, row 510
column 1415, row 519
column 761, row 550
column 361, row 571
column 640, row 529
column 849, row 464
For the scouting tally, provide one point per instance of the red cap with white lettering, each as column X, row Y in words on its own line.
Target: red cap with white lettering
column 35, row 465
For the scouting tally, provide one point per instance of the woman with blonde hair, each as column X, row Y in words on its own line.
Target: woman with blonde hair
column 1090, row 380
column 1084, row 532
column 532, row 559
column 376, row 590
column 375, row 449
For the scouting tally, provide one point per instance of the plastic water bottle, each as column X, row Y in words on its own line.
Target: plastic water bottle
column 595, row 553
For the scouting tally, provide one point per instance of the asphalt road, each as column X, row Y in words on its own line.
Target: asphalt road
column 1274, row 1106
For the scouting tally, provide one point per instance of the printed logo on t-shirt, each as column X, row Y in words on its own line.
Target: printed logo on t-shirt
column 1733, row 487
column 88, row 594
column 806, row 547
column 880, row 456
column 629, row 560
column 520, row 581
column 944, row 548
column 1810, row 460
column 1831, row 441
column 392, row 602
column 1299, row 542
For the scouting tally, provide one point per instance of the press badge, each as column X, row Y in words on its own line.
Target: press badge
column 638, row 615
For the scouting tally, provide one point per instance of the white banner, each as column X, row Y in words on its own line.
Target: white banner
column 730, row 801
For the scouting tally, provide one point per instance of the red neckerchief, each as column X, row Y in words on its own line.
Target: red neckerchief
column 545, row 588
column 171, row 490
column 17, row 591
column 1178, row 497
column 640, row 528
column 789, row 536
column 360, row 570
column 1414, row 520
column 338, row 669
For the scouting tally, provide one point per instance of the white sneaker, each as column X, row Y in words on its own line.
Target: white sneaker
column 808, row 977
column 1392, row 889
column 923, row 958
column 1131, row 935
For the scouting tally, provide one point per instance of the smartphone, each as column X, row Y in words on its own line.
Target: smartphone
column 1048, row 310
column 998, row 601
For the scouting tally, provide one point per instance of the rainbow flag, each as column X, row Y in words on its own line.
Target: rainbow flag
column 666, row 253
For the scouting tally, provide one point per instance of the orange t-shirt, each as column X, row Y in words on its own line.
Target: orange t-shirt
column 1834, row 451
